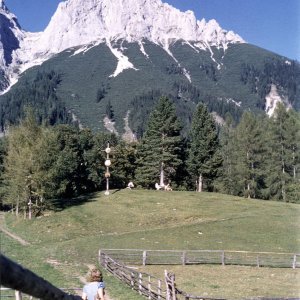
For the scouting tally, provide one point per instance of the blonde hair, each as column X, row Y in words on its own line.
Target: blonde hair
column 95, row 275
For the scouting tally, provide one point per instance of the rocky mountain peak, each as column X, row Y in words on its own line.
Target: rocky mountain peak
column 105, row 21
column 75, row 24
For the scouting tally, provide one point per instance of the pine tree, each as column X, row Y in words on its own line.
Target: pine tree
column 158, row 152
column 284, row 155
column 225, row 182
column 124, row 165
column 203, row 153
column 249, row 156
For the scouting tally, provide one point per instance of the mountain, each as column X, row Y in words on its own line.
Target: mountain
column 105, row 64
column 11, row 35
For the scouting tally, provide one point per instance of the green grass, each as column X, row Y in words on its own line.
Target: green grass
column 232, row 282
column 64, row 243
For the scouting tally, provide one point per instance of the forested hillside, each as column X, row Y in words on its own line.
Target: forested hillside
column 80, row 86
column 257, row 158
column 39, row 93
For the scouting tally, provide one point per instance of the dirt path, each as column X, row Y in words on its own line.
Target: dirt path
column 5, row 231
column 25, row 243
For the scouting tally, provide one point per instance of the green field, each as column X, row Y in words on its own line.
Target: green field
column 63, row 243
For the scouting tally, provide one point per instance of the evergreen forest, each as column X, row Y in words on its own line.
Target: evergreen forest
column 44, row 166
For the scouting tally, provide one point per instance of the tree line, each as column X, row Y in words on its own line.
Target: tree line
column 259, row 158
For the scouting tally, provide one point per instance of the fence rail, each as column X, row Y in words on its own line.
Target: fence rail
column 14, row 276
column 145, row 284
column 187, row 257
column 8, row 293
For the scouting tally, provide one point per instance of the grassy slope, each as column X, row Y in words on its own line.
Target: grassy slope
column 232, row 282
column 65, row 242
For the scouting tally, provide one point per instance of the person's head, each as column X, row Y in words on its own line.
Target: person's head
column 94, row 275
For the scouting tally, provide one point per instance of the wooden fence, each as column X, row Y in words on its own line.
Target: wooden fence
column 145, row 284
column 191, row 257
column 113, row 260
column 14, row 276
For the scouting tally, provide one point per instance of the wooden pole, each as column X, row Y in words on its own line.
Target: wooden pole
column 223, row 258
column 144, row 257
column 14, row 276
column 159, row 289
column 140, row 283
column 173, row 287
column 149, row 287
column 132, row 280
column 18, row 295
column 183, row 258
column 170, row 286
column 294, row 261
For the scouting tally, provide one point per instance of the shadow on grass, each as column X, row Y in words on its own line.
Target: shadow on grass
column 61, row 204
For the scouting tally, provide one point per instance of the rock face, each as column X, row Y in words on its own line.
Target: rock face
column 10, row 37
column 132, row 20
column 10, row 33
column 98, row 21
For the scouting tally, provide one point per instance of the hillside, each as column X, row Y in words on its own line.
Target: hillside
column 64, row 242
column 85, row 89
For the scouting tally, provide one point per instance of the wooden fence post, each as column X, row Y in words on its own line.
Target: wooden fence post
column 170, row 286
column 18, row 295
column 159, row 289
column 140, row 283
column 144, row 257
column 257, row 261
column 294, row 261
column 149, row 287
column 132, row 280
column 167, row 286
column 173, row 287
column 223, row 258
column 183, row 259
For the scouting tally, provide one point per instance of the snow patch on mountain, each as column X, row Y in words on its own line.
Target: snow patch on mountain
column 230, row 100
column 142, row 48
column 85, row 48
column 192, row 46
column 123, row 60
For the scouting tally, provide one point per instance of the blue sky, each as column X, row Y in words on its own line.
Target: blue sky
column 270, row 24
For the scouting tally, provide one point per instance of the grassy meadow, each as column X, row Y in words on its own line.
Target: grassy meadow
column 64, row 242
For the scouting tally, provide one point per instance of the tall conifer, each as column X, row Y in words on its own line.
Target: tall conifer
column 203, row 155
column 225, row 182
column 284, row 155
column 158, row 152
column 249, row 156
